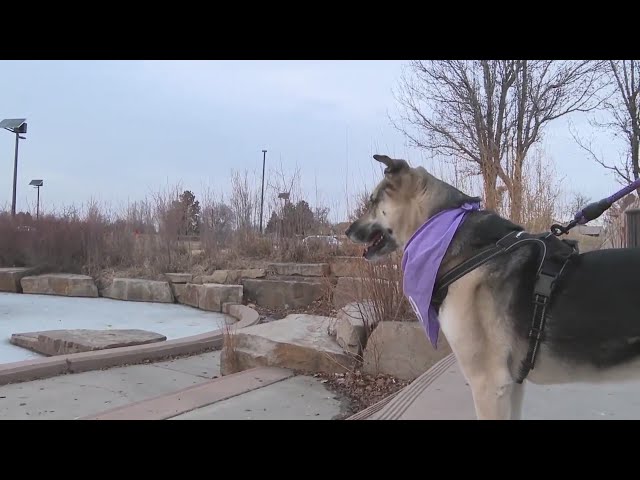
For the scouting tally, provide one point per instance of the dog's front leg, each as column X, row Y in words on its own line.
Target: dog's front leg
column 517, row 397
column 495, row 399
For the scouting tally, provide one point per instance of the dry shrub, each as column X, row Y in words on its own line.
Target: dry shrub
column 252, row 244
column 381, row 297
column 229, row 349
column 94, row 239
column 541, row 194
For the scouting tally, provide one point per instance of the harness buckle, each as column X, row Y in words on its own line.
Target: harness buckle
column 540, row 300
column 543, row 286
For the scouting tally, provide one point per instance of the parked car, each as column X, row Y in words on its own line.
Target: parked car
column 328, row 240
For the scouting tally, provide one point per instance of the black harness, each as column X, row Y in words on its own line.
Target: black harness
column 550, row 267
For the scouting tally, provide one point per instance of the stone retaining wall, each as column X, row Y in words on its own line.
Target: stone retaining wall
column 280, row 285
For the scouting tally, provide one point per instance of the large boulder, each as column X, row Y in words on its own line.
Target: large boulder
column 402, row 350
column 10, row 278
column 350, row 327
column 349, row 290
column 63, row 342
column 300, row 269
column 188, row 294
column 274, row 293
column 65, row 284
column 230, row 277
column 299, row 342
column 211, row 296
column 139, row 290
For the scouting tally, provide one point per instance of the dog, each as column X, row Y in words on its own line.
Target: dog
column 592, row 331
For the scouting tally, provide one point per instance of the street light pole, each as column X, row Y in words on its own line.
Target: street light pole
column 16, row 126
column 264, row 158
column 15, row 177
column 37, row 184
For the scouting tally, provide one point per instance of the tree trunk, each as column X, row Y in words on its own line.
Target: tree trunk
column 516, row 191
column 490, row 182
column 635, row 141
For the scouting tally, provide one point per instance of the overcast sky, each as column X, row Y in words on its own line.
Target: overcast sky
column 117, row 131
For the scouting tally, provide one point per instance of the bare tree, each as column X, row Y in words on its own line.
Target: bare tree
column 489, row 113
column 622, row 110
column 244, row 201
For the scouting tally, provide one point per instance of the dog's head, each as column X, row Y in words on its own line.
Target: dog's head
column 384, row 225
column 399, row 205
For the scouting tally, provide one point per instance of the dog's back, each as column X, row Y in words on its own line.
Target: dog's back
column 595, row 315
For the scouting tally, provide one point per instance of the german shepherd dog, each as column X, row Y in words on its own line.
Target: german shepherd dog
column 592, row 332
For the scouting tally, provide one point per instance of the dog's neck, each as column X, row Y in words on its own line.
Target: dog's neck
column 479, row 229
column 435, row 197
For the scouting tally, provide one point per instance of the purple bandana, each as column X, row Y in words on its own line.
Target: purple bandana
column 421, row 260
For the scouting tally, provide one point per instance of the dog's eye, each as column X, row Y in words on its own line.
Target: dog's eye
column 383, row 212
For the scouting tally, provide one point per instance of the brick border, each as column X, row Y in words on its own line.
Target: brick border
column 191, row 398
column 26, row 370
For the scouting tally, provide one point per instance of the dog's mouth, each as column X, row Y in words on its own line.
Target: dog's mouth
column 377, row 241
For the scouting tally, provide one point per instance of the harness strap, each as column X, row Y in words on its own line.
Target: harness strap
column 542, row 293
column 547, row 273
column 504, row 245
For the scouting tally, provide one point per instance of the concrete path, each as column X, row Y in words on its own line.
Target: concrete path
column 184, row 389
column 442, row 394
column 297, row 398
column 29, row 313
column 77, row 395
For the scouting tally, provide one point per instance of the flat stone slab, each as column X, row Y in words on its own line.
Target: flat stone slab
column 347, row 266
column 179, row 277
column 298, row 342
column 64, row 284
column 139, row 290
column 63, row 342
column 230, row 277
column 10, row 278
column 302, row 269
column 274, row 293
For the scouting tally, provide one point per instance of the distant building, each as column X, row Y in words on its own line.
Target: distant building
column 590, row 230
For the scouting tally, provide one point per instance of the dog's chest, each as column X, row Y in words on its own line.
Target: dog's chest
column 462, row 310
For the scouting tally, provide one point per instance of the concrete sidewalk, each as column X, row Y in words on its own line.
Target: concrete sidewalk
column 442, row 394
column 185, row 388
column 76, row 395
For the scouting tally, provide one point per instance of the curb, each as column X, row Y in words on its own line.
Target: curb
column 393, row 406
column 27, row 370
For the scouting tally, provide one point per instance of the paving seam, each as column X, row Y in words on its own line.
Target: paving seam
column 181, row 394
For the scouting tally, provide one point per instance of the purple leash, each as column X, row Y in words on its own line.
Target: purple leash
column 595, row 209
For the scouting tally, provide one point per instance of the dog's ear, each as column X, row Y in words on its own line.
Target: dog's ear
column 393, row 165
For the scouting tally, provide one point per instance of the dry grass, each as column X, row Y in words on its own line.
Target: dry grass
column 145, row 238
column 379, row 293
column 229, row 349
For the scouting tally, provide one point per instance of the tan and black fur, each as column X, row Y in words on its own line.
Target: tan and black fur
column 592, row 334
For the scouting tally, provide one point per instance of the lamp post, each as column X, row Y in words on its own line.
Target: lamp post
column 37, row 184
column 17, row 126
column 264, row 158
